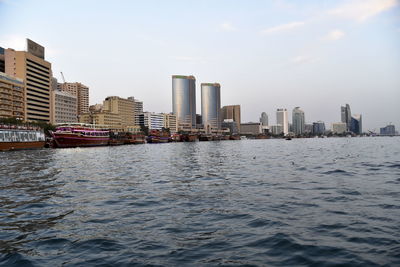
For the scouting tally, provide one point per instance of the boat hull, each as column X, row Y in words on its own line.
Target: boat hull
column 7, row 146
column 71, row 140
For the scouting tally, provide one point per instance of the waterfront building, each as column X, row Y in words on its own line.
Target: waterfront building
column 231, row 125
column 276, row 129
column 125, row 108
column 63, row 107
column 138, row 109
column 81, row 92
column 339, row 127
column 298, row 121
column 12, row 91
column 103, row 118
column 253, row 128
column 264, row 119
column 308, row 128
column 318, row 128
column 152, row 120
column 356, row 124
column 232, row 112
column 282, row 119
column 2, row 60
column 345, row 113
column 211, row 106
column 184, row 100
column 388, row 130
column 32, row 67
column 170, row 122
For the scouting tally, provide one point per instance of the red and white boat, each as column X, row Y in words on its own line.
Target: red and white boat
column 80, row 135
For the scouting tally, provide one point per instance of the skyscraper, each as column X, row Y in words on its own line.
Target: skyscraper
column 318, row 128
column 356, row 124
column 36, row 72
column 282, row 119
column 232, row 112
column 345, row 113
column 298, row 120
column 211, row 105
column 184, row 99
column 264, row 119
column 81, row 92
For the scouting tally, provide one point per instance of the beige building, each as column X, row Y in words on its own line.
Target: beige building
column 138, row 110
column 232, row 113
column 170, row 122
column 104, row 118
column 63, row 107
column 36, row 72
column 125, row 108
column 81, row 92
column 250, row 128
column 12, row 91
column 339, row 127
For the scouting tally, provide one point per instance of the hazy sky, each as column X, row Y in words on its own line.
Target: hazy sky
column 266, row 55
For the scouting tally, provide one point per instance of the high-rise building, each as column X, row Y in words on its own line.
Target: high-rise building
column 63, row 107
column 345, row 113
column 103, row 118
column 184, row 99
column 12, row 91
column 125, row 108
column 152, row 120
column 81, row 92
column 318, row 128
column 388, row 130
column 282, row 119
column 339, row 127
column 31, row 66
column 232, row 112
column 276, row 129
column 356, row 124
column 170, row 122
column 308, row 128
column 253, row 128
column 138, row 109
column 298, row 121
column 2, row 60
column 264, row 119
column 211, row 106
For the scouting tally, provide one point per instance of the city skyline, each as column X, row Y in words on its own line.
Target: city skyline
column 315, row 55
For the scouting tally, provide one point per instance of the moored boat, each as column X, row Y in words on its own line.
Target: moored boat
column 157, row 136
column 80, row 135
column 21, row 137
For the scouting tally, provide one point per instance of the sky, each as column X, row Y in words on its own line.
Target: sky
column 317, row 55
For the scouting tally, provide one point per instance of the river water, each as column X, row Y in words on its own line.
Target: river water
column 251, row 202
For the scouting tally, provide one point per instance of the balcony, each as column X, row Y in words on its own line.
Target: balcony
column 5, row 91
column 7, row 102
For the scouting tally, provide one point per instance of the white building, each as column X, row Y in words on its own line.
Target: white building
column 282, row 119
column 339, row 127
column 152, row 120
column 276, row 129
column 64, row 107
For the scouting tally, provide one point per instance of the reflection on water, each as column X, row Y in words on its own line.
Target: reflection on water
column 303, row 202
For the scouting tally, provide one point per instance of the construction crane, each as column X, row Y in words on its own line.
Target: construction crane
column 62, row 76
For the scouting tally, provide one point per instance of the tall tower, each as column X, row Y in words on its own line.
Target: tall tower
column 264, row 119
column 298, row 120
column 232, row 112
column 184, row 99
column 211, row 105
column 282, row 119
column 345, row 113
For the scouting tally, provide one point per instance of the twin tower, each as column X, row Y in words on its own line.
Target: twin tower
column 184, row 102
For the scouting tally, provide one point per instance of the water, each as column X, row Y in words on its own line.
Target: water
column 332, row 201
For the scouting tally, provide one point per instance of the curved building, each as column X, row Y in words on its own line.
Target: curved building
column 184, row 100
column 211, row 105
column 264, row 119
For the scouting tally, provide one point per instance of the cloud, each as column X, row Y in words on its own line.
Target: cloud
column 226, row 27
column 302, row 59
column 361, row 10
column 334, row 35
column 283, row 27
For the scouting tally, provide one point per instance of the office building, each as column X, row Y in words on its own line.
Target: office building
column 345, row 113
column 230, row 125
column 308, row 128
column 184, row 100
column 32, row 67
column 12, row 91
column 356, row 124
column 63, row 107
column 264, row 119
column 125, row 108
column 81, row 92
column 103, row 118
column 170, row 122
column 138, row 109
column 298, row 121
column 282, row 119
column 211, row 106
column 276, row 129
column 339, row 127
column 388, row 130
column 232, row 112
column 2, row 60
column 251, row 128
column 152, row 120
column 318, row 128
